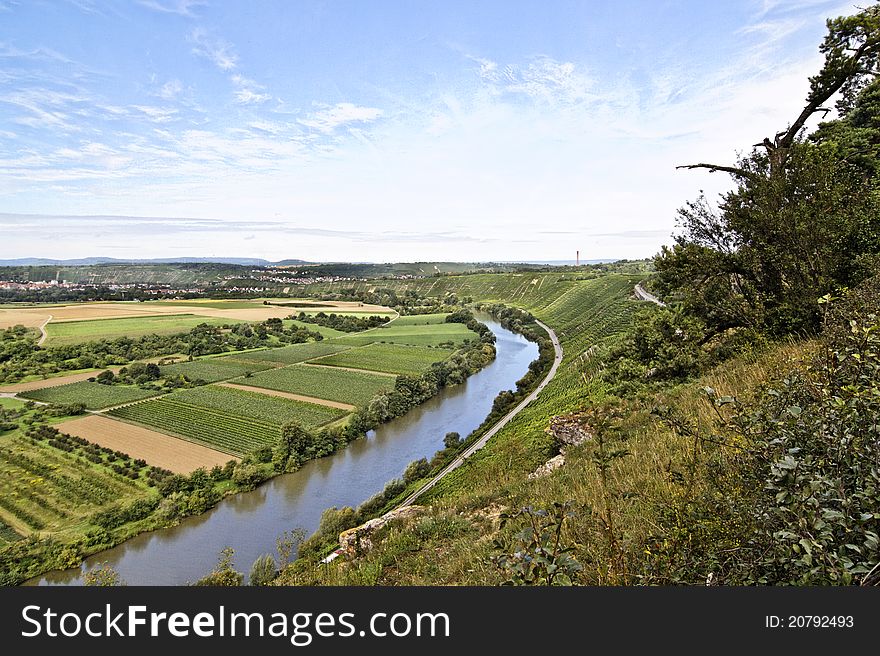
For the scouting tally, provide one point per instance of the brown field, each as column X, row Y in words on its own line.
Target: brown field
column 50, row 382
column 33, row 317
column 157, row 449
column 289, row 395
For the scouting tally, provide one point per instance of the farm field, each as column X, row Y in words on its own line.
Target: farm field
column 326, row 331
column 287, row 395
column 388, row 358
column 228, row 419
column 293, row 353
column 352, row 387
column 414, row 335
column 158, row 449
column 34, row 316
column 72, row 332
column 420, row 319
column 43, row 488
column 94, row 395
column 213, row 369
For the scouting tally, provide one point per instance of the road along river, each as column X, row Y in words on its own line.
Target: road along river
column 249, row 522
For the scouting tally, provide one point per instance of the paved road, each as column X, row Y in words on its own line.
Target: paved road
column 479, row 444
column 645, row 295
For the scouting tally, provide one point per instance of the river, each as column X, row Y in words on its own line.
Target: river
column 250, row 521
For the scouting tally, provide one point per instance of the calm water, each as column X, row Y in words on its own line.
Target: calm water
column 249, row 522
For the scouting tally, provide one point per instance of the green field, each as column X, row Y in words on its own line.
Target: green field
column 414, row 335
column 213, row 369
column 326, row 331
column 353, row 387
column 294, row 353
column 46, row 489
column 218, row 305
column 72, row 332
column 11, row 404
column 94, row 395
column 231, row 420
column 388, row 358
column 420, row 319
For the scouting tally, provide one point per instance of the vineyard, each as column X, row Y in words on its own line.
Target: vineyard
column 292, row 354
column 326, row 331
column 415, row 335
column 354, row 387
column 420, row 320
column 212, row 370
column 388, row 358
column 231, row 420
column 94, row 395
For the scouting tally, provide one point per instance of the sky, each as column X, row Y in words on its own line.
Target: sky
column 383, row 131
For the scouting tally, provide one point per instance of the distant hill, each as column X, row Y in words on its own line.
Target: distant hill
column 91, row 261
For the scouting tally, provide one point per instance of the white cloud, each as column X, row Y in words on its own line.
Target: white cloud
column 179, row 7
column 170, row 90
column 156, row 114
column 329, row 118
column 248, row 92
column 221, row 53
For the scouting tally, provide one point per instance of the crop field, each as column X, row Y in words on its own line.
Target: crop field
column 213, row 369
column 72, row 332
column 294, row 353
column 420, row 319
column 231, row 420
column 157, row 449
column 353, row 387
column 43, row 488
column 414, row 335
column 94, row 395
column 388, row 358
column 326, row 331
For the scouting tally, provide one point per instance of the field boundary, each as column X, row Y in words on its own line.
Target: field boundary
column 290, row 395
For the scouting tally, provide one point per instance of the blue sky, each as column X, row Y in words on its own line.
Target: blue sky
column 382, row 131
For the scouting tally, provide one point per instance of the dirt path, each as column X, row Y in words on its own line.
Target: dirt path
column 362, row 371
column 43, row 334
column 289, row 395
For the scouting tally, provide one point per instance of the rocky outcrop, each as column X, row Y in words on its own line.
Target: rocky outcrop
column 569, row 430
column 358, row 540
column 548, row 467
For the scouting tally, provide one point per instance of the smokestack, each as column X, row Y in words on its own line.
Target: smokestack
column 578, row 258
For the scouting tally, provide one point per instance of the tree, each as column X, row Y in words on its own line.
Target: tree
column 103, row 576
column 804, row 219
column 224, row 573
column 264, row 570
column 452, row 440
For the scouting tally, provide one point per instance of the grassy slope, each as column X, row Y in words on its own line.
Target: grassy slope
column 452, row 542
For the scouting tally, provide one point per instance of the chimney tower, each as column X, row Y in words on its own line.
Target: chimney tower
column 578, row 258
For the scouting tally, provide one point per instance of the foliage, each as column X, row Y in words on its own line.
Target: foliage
column 263, row 571
column 103, row 576
column 224, row 573
column 538, row 553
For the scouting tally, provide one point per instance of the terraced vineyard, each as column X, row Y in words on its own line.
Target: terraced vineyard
column 354, row 387
column 94, row 395
column 414, row 335
column 293, row 353
column 231, row 420
column 389, row 358
column 214, row 369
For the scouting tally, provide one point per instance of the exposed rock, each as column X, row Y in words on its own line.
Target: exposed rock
column 358, row 540
column 570, row 430
column 549, row 466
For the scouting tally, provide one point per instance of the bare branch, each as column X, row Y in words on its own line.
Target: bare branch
column 712, row 168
